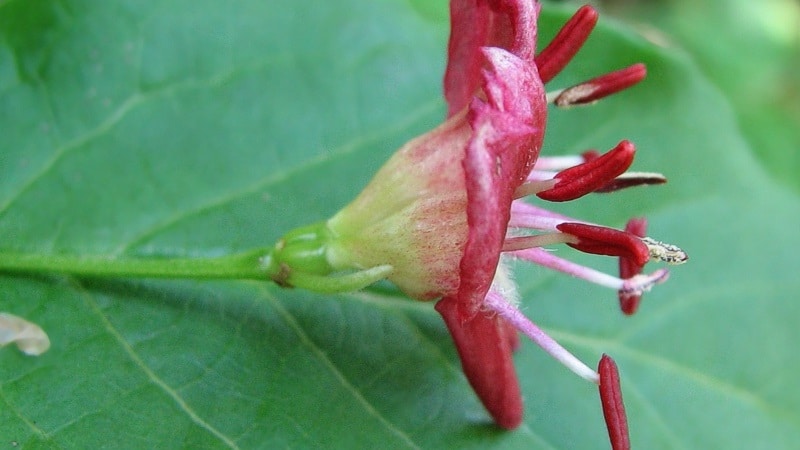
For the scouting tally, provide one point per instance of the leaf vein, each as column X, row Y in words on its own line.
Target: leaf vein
column 674, row 440
column 306, row 340
column 31, row 425
column 399, row 308
column 662, row 364
column 347, row 148
column 152, row 376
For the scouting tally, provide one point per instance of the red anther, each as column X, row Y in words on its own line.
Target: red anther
column 642, row 179
column 566, row 44
column 590, row 155
column 602, row 86
column 629, row 302
column 592, row 175
column 637, row 226
column 606, row 241
column 613, row 406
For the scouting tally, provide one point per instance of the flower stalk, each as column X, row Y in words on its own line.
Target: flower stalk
column 238, row 266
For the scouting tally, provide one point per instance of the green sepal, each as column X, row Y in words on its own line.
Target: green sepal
column 302, row 249
column 334, row 284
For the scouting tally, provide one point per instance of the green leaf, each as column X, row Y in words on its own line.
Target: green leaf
column 197, row 129
column 751, row 51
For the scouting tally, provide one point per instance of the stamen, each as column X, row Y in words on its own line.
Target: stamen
column 534, row 187
column 539, row 240
column 632, row 179
column 668, row 253
column 629, row 301
column 558, row 162
column 514, row 316
column 520, row 210
column 534, row 222
column 582, row 179
column 606, row 241
column 602, row 86
column 566, row 44
column 613, row 406
column 589, row 155
column 637, row 284
column 544, row 258
column 550, row 97
column 637, row 226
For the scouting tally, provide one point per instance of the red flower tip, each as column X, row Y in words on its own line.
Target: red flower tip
column 606, row 241
column 602, row 86
column 566, row 44
column 629, row 302
column 594, row 174
column 613, row 406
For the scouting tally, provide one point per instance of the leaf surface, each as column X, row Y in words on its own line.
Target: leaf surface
column 193, row 128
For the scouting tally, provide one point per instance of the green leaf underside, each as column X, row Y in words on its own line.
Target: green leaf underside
column 201, row 129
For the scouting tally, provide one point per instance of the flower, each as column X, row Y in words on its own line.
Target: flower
column 442, row 216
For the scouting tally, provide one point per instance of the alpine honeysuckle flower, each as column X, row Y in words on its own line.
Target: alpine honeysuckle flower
column 443, row 214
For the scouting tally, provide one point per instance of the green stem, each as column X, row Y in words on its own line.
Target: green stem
column 245, row 265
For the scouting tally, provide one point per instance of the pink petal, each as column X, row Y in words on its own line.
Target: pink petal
column 484, row 346
column 506, row 24
column 507, row 134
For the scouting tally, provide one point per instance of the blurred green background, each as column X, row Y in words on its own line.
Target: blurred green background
column 750, row 50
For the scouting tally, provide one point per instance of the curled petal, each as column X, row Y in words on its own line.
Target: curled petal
column 484, row 345
column 506, row 24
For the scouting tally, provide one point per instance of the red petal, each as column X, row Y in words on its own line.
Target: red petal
column 484, row 347
column 506, row 24
column 508, row 130
column 613, row 407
